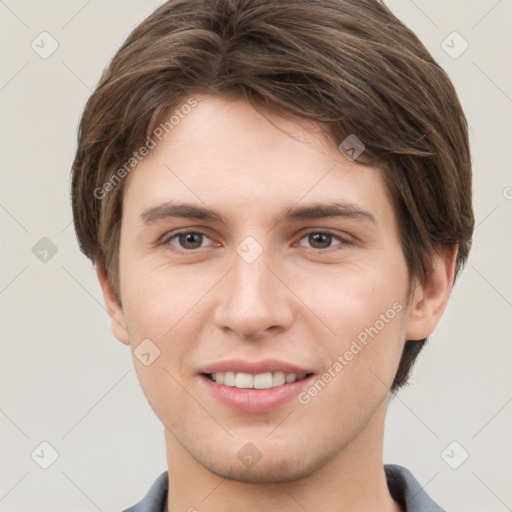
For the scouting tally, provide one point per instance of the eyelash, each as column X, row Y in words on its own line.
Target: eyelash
column 343, row 241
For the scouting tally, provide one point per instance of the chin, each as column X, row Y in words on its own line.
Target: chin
column 273, row 467
column 263, row 472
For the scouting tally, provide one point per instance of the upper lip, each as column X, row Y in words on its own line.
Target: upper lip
column 253, row 367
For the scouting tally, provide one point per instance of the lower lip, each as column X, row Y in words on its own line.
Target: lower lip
column 255, row 400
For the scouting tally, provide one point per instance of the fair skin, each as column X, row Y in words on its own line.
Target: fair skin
column 301, row 302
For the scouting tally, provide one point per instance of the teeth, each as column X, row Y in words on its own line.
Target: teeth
column 263, row 381
column 260, row 381
column 229, row 378
column 244, row 380
column 278, row 379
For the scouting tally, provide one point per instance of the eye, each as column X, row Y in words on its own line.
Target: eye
column 187, row 240
column 322, row 239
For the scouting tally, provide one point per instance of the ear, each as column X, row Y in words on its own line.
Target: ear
column 430, row 298
column 115, row 310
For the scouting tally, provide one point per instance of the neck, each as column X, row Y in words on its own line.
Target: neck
column 353, row 479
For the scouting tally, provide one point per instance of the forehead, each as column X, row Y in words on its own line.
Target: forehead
column 227, row 154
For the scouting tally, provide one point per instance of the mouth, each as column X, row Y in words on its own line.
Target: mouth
column 254, row 387
column 267, row 380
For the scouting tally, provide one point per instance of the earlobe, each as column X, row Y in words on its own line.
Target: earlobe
column 430, row 298
column 115, row 311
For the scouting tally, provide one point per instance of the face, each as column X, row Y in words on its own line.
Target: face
column 266, row 269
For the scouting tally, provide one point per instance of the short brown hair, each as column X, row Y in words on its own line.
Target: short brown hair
column 349, row 65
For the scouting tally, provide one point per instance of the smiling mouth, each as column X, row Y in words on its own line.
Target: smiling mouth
column 266, row 380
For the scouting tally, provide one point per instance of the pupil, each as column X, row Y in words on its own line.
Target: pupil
column 319, row 238
column 192, row 238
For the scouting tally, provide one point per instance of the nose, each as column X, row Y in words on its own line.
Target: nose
column 254, row 299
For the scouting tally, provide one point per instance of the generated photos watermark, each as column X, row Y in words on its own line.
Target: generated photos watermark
column 344, row 359
column 144, row 150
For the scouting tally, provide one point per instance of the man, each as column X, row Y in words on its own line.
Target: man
column 277, row 198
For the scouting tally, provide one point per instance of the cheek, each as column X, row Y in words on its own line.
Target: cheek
column 157, row 310
column 362, row 324
column 165, row 305
column 360, row 366
column 348, row 299
column 159, row 298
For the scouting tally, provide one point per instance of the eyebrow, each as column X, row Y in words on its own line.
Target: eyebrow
column 172, row 209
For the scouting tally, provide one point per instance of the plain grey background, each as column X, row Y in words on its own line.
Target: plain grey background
column 66, row 381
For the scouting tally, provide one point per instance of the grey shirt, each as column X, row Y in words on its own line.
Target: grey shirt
column 402, row 485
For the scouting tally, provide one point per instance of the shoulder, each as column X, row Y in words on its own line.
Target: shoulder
column 407, row 491
column 154, row 500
